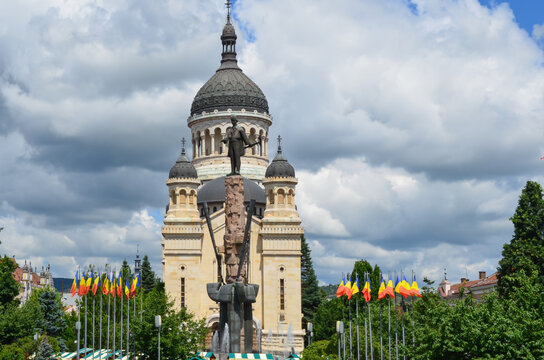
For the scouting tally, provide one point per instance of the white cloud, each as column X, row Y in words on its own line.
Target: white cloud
column 412, row 132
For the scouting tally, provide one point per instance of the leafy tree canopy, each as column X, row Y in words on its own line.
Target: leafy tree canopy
column 525, row 252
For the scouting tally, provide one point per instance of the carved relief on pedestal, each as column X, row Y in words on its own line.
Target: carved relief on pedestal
column 234, row 226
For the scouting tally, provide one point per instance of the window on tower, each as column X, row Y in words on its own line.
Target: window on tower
column 182, row 292
column 282, row 294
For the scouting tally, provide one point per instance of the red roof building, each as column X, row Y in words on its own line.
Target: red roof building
column 483, row 285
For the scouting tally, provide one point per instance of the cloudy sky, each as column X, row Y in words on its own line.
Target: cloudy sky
column 412, row 125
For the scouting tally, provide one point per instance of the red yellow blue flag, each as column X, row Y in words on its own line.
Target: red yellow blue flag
column 415, row 288
column 381, row 290
column 347, row 289
column 355, row 287
column 73, row 290
column 340, row 291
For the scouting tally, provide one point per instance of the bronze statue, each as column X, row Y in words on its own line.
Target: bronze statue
column 238, row 143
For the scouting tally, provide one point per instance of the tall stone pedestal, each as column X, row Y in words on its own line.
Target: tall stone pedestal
column 234, row 227
column 236, row 297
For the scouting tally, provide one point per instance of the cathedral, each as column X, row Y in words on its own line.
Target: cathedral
column 188, row 257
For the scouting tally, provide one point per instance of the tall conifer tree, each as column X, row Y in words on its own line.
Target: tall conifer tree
column 311, row 296
column 148, row 275
column 526, row 250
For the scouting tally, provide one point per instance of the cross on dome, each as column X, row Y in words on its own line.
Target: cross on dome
column 279, row 143
column 228, row 5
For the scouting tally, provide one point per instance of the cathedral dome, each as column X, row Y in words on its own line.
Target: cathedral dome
column 183, row 168
column 214, row 191
column 229, row 87
column 280, row 167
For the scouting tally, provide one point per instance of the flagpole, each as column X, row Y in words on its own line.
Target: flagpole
column 121, row 321
column 78, row 326
column 402, row 317
column 85, row 337
column 101, row 313
column 114, row 302
column 381, row 325
column 413, row 320
column 396, row 326
column 357, row 322
column 366, row 325
column 349, row 319
column 343, row 334
column 389, row 325
column 94, row 303
column 128, row 321
column 370, row 321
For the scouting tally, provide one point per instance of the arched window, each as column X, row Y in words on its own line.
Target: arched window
column 192, row 196
column 182, row 197
column 173, row 197
column 281, row 196
column 271, row 197
column 290, row 197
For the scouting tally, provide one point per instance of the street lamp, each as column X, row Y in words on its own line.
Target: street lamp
column 309, row 328
column 339, row 331
column 158, row 326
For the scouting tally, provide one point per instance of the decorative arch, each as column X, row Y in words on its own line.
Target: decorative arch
column 173, row 197
column 183, row 197
column 290, row 197
column 281, row 197
column 270, row 197
column 192, row 197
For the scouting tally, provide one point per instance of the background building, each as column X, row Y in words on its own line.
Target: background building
column 275, row 245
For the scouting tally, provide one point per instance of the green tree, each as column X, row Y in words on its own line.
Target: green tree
column 322, row 349
column 12, row 352
column 525, row 252
column 311, row 296
column 148, row 275
column 181, row 335
column 45, row 351
column 53, row 322
column 325, row 317
column 19, row 322
column 9, row 288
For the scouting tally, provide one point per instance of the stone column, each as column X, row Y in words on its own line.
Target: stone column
column 234, row 226
column 212, row 144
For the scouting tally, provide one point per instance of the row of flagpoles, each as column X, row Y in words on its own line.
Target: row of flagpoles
column 387, row 290
column 86, row 284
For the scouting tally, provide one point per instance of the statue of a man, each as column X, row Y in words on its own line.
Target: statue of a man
column 237, row 142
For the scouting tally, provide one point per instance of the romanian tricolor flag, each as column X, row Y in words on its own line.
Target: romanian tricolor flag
column 347, row 289
column 112, row 285
column 404, row 289
column 82, row 285
column 415, row 288
column 381, row 291
column 127, row 289
column 96, row 284
column 389, row 289
column 73, row 290
column 366, row 290
column 120, row 286
column 88, row 283
column 134, row 285
column 106, row 285
column 340, row 291
column 355, row 287
column 397, row 285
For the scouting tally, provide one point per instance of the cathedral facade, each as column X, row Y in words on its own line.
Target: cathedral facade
column 189, row 260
